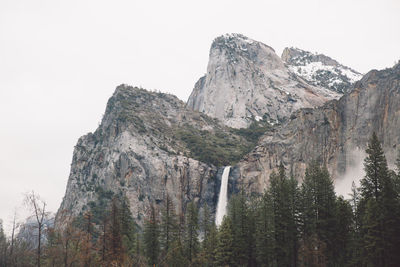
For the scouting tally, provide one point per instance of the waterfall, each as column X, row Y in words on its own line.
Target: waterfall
column 223, row 197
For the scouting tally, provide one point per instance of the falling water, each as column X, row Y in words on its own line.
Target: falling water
column 223, row 196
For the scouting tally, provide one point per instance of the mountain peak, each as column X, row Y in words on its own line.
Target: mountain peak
column 237, row 41
column 233, row 37
column 247, row 80
column 320, row 70
column 236, row 47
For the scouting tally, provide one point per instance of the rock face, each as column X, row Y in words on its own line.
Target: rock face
column 247, row 81
column 141, row 150
column 150, row 145
column 320, row 70
column 332, row 134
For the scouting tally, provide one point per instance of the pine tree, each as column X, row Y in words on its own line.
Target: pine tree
column 139, row 256
column 206, row 222
column 192, row 232
column 284, row 198
column 86, row 240
column 239, row 214
column 312, row 252
column 380, row 208
column 103, row 247
column 373, row 241
column 224, row 249
column 176, row 257
column 396, row 177
column 318, row 211
column 168, row 227
column 341, row 244
column 128, row 228
column 151, row 238
column 264, row 231
column 210, row 237
column 398, row 163
column 116, row 236
column 293, row 220
column 356, row 240
column 376, row 171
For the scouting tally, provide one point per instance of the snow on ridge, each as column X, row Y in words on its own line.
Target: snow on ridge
column 309, row 70
column 321, row 70
column 353, row 76
column 241, row 37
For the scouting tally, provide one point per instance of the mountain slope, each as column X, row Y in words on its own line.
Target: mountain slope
column 333, row 134
column 320, row 70
column 149, row 145
column 247, row 81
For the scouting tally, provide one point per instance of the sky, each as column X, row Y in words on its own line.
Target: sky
column 60, row 61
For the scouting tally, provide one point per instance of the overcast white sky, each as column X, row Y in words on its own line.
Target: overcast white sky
column 61, row 60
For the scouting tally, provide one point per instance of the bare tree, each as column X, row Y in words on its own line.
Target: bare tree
column 38, row 208
column 67, row 242
column 13, row 231
column 3, row 246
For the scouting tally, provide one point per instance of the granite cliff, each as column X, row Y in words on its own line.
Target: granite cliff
column 332, row 134
column 148, row 146
column 246, row 80
column 250, row 111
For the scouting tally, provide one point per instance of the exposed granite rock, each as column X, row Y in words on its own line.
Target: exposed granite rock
column 150, row 144
column 247, row 81
column 138, row 151
column 331, row 133
column 320, row 70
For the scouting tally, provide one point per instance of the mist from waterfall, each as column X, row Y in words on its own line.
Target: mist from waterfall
column 223, row 197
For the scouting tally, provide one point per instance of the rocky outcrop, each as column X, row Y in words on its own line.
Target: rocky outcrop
column 247, row 81
column 150, row 145
column 332, row 134
column 320, row 70
column 145, row 149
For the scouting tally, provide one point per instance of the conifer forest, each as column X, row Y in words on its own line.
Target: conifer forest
column 291, row 224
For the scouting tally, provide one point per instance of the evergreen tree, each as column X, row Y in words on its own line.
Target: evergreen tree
column 104, row 238
column 356, row 240
column 192, row 232
column 318, row 211
column 210, row 237
column 342, row 241
column 176, row 257
column 373, row 241
column 128, row 228
column 380, row 208
column 398, row 163
column 224, row 249
column 151, row 238
column 284, row 198
column 376, row 171
column 286, row 226
column 293, row 220
column 312, row 251
column 240, row 216
column 168, row 227
column 396, row 177
column 86, row 240
column 264, row 231
column 139, row 256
